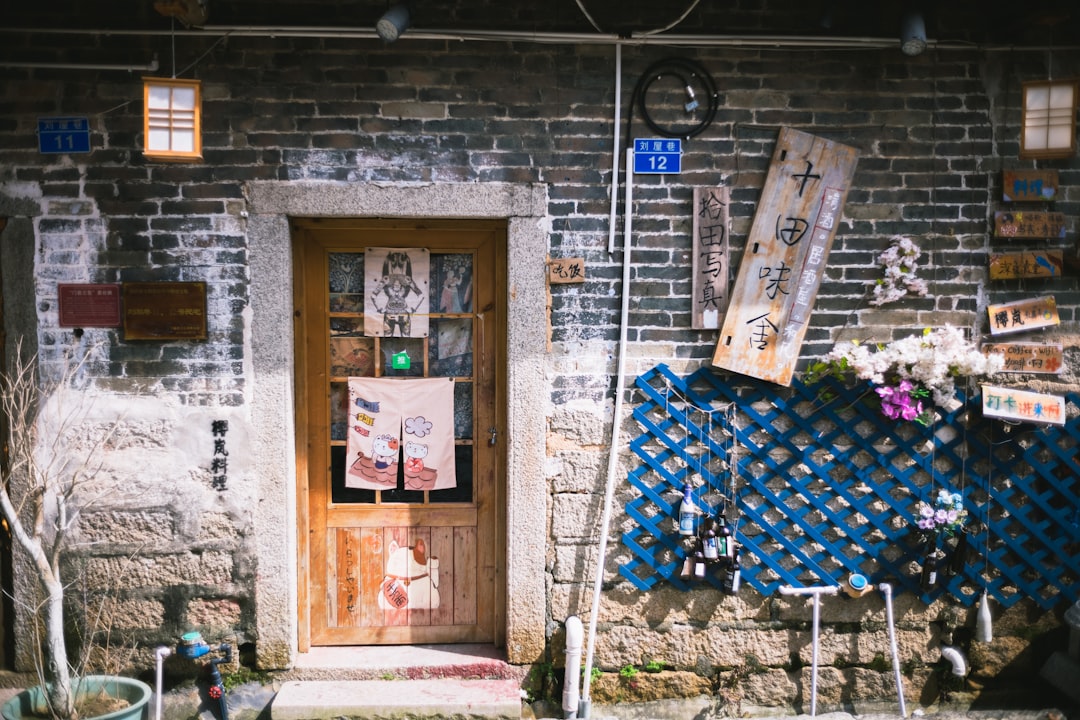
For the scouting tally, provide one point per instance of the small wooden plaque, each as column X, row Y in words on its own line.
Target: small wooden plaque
column 1032, row 264
column 1023, row 315
column 1024, row 224
column 165, row 311
column 1028, row 357
column 1023, row 405
column 566, row 270
column 1029, row 185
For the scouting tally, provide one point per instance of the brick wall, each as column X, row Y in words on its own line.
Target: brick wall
column 933, row 134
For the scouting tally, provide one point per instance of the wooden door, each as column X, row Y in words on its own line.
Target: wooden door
column 396, row 564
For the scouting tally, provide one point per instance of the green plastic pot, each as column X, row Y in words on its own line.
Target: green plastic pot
column 30, row 703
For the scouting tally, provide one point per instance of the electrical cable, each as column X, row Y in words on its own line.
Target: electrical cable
column 687, row 72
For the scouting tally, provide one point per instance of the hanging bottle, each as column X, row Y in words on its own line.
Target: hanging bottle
column 733, row 576
column 959, row 556
column 709, row 540
column 931, row 567
column 687, row 512
column 726, row 541
column 699, row 561
column 984, row 628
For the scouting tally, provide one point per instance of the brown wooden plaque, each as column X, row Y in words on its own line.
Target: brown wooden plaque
column 785, row 256
column 566, row 270
column 1031, row 264
column 165, row 311
column 1029, row 185
column 1025, row 224
column 1023, row 315
column 1028, row 357
column 709, row 258
column 88, row 305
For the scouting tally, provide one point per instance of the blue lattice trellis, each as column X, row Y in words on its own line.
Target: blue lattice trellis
column 824, row 489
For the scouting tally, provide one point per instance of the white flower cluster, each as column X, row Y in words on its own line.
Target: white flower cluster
column 899, row 265
column 932, row 360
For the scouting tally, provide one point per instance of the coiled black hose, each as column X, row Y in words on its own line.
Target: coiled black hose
column 687, row 72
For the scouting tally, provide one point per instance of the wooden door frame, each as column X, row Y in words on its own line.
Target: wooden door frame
column 269, row 205
column 302, row 297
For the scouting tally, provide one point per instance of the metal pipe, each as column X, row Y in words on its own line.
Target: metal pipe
column 815, row 593
column 886, row 590
column 615, row 151
column 152, row 66
column 809, row 42
column 613, row 452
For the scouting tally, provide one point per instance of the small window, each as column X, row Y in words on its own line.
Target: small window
column 1049, row 120
column 172, row 119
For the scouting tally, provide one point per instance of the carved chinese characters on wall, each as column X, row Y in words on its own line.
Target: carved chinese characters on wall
column 785, row 256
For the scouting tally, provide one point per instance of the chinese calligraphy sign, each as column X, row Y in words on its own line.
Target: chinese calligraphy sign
column 785, row 256
column 1025, row 224
column 709, row 253
column 1031, row 264
column 1013, row 404
column 1029, row 185
column 566, row 270
column 1021, row 315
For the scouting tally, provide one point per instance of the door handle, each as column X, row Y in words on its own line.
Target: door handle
column 494, row 435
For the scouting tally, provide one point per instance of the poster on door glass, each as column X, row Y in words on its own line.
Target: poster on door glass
column 399, row 301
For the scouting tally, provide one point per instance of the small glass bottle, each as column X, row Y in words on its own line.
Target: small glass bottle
column 687, row 512
column 710, row 541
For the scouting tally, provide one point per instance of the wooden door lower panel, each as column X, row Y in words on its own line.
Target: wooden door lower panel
column 404, row 584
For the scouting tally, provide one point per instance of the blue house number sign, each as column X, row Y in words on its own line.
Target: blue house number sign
column 58, row 135
column 657, row 156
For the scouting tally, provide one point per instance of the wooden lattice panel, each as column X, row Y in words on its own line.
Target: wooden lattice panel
column 824, row 488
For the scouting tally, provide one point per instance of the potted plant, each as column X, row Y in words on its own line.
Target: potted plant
column 49, row 474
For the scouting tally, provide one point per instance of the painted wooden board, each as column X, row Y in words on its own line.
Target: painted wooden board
column 710, row 257
column 1030, row 264
column 1023, row 315
column 1029, row 185
column 1022, row 405
column 785, row 256
column 566, row 270
column 1029, row 357
column 1027, row 224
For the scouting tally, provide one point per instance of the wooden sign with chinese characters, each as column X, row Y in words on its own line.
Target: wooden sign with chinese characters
column 1013, row 404
column 785, row 256
column 1029, row 185
column 566, row 270
column 1028, row 357
column 1031, row 264
column 164, row 310
column 1025, row 224
column 1021, row 315
column 709, row 258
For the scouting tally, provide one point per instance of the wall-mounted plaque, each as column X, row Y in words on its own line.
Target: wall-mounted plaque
column 88, row 305
column 1021, row 315
column 1030, row 264
column 165, row 311
column 1013, row 404
column 1028, row 357
column 1028, row 224
column 1029, row 185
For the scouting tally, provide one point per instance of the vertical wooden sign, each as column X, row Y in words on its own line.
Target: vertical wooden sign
column 709, row 258
column 785, row 256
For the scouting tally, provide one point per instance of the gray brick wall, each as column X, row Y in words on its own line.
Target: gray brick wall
column 933, row 133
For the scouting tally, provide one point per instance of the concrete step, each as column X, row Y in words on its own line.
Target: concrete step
column 460, row 699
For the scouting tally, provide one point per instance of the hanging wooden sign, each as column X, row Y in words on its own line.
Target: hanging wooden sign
column 785, row 256
column 709, row 258
column 1022, row 405
column 1025, row 224
column 1021, row 315
column 566, row 270
column 1028, row 357
column 1029, row 185
column 1031, row 264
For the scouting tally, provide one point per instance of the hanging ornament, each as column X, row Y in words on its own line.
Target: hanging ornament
column 984, row 630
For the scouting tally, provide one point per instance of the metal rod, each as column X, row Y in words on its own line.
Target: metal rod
column 152, row 66
column 815, row 593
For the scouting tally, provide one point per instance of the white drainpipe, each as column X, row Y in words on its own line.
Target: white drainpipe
column 954, row 656
column 159, row 661
column 574, row 635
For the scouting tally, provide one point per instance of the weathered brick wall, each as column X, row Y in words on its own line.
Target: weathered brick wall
column 933, row 133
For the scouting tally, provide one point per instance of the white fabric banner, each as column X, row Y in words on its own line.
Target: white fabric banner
column 391, row 417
